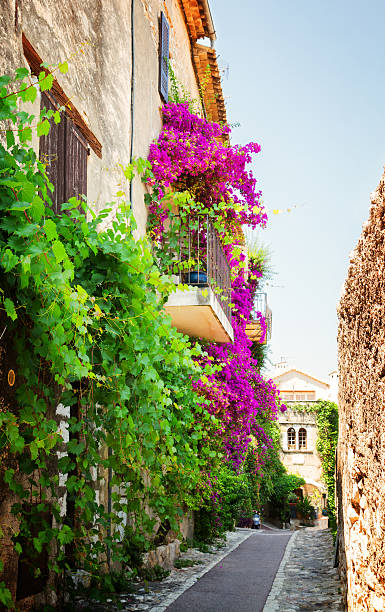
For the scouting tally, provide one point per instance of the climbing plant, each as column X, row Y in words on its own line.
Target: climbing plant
column 84, row 309
column 150, row 411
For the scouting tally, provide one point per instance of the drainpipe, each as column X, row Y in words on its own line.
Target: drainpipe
column 132, row 95
column 210, row 24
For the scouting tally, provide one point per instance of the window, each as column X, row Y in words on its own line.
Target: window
column 291, row 438
column 164, row 36
column 287, row 396
column 302, row 442
column 65, row 148
column 64, row 151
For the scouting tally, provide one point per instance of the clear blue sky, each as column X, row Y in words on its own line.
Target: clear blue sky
column 305, row 79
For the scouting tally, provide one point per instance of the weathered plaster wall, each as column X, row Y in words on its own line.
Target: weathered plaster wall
column 95, row 37
column 361, row 446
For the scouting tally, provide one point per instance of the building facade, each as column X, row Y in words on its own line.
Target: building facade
column 118, row 55
column 299, row 432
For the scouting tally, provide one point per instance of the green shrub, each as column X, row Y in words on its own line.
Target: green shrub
column 305, row 507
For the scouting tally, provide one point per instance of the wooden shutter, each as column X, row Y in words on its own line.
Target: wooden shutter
column 76, row 152
column 163, row 57
column 51, row 152
column 65, row 152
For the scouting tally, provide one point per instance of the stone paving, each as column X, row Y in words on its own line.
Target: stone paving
column 306, row 580
column 157, row 596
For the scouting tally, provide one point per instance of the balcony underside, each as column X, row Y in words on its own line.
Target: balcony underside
column 199, row 315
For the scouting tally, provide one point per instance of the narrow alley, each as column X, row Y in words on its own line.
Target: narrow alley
column 256, row 571
column 192, row 357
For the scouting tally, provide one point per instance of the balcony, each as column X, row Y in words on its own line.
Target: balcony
column 201, row 306
column 254, row 329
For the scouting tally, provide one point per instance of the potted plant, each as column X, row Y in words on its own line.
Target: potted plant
column 306, row 510
column 292, row 499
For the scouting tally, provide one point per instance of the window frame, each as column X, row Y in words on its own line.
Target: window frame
column 302, row 439
column 291, row 434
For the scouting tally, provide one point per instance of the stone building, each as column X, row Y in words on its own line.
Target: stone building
column 361, row 446
column 299, row 430
column 117, row 81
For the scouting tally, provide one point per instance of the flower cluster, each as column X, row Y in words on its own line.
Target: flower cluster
column 190, row 154
column 238, row 391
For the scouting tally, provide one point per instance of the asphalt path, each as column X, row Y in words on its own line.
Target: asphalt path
column 240, row 582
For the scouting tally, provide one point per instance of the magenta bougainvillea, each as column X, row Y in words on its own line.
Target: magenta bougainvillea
column 190, row 154
column 193, row 154
column 239, row 392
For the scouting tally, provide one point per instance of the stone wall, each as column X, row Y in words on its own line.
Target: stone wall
column 361, row 447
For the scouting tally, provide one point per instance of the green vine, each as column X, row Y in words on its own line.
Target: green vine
column 84, row 311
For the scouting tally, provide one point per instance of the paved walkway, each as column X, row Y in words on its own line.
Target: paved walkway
column 156, row 596
column 306, row 580
column 241, row 581
column 252, row 566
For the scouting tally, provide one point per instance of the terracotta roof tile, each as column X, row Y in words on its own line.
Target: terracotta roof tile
column 206, row 64
column 196, row 19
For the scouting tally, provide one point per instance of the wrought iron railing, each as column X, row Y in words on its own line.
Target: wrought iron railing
column 260, row 305
column 201, row 260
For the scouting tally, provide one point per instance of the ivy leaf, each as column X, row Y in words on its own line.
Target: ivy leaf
column 63, row 67
column 5, row 596
column 21, row 73
column 75, row 447
column 4, row 80
column 8, row 475
column 38, row 544
column 25, row 134
column 59, row 251
column 56, row 117
column 10, row 139
column 43, row 128
column 37, row 208
column 28, row 191
column 20, row 206
column 10, row 309
column 33, row 448
column 65, row 535
column 18, row 445
column 45, row 81
column 29, row 94
column 50, row 229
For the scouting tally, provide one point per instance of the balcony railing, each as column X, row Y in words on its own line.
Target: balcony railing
column 199, row 258
column 260, row 305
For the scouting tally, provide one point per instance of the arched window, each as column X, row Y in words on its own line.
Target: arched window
column 302, row 439
column 291, row 438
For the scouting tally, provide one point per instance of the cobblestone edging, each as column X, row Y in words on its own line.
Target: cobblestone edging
column 306, row 579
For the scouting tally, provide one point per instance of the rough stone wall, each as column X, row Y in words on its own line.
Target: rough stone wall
column 361, row 446
column 9, row 525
